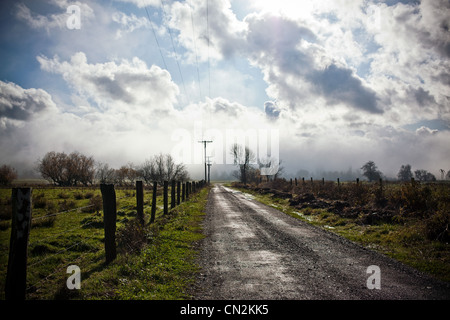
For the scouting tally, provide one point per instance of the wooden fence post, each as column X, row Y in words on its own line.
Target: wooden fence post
column 140, row 202
column 155, row 189
column 183, row 191
column 178, row 192
column 109, row 218
column 16, row 277
column 165, row 197
column 187, row 189
column 172, row 195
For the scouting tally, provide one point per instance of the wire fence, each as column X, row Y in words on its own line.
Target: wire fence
column 50, row 253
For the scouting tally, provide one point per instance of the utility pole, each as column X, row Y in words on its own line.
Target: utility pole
column 209, row 164
column 205, row 142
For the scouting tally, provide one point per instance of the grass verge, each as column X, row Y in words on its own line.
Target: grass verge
column 156, row 261
column 162, row 267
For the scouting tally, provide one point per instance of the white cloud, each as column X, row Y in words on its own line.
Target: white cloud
column 425, row 131
column 55, row 20
column 210, row 29
column 129, row 23
column 345, row 75
column 128, row 86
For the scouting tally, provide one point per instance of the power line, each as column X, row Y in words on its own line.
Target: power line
column 207, row 36
column 174, row 50
column 195, row 48
column 156, row 39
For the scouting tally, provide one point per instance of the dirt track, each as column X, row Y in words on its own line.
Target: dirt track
column 252, row 251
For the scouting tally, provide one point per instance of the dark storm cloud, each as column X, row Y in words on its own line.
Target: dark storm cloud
column 422, row 96
column 112, row 88
column 339, row 85
column 20, row 104
column 275, row 44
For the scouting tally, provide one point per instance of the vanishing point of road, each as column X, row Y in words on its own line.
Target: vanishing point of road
column 252, row 251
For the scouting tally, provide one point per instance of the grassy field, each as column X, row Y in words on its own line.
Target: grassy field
column 407, row 222
column 154, row 262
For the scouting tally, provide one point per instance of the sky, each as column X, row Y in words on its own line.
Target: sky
column 320, row 85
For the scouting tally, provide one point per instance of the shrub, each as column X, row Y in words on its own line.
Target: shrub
column 92, row 222
column 39, row 201
column 88, row 195
column 63, row 195
column 78, row 196
column 46, row 222
column 95, row 204
column 67, row 205
column 132, row 237
column 417, row 198
column 437, row 226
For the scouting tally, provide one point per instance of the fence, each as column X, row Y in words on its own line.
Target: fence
column 21, row 221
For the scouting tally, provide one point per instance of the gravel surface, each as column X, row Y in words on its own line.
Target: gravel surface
column 253, row 251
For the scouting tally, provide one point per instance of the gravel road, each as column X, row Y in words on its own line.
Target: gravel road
column 253, row 251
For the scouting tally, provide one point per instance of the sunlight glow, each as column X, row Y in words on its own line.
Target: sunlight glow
column 285, row 7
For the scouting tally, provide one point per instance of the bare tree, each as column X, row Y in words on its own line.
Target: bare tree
column 243, row 157
column 442, row 173
column 105, row 174
column 7, row 175
column 67, row 170
column 51, row 167
column 79, row 169
column 147, row 171
column 162, row 168
column 125, row 175
column 269, row 162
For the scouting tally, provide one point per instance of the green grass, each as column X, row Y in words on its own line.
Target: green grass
column 165, row 268
column 62, row 235
column 405, row 240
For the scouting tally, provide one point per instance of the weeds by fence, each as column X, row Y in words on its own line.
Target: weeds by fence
column 69, row 244
column 370, row 202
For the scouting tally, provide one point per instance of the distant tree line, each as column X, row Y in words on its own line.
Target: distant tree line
column 246, row 173
column 405, row 174
column 73, row 169
column 159, row 168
